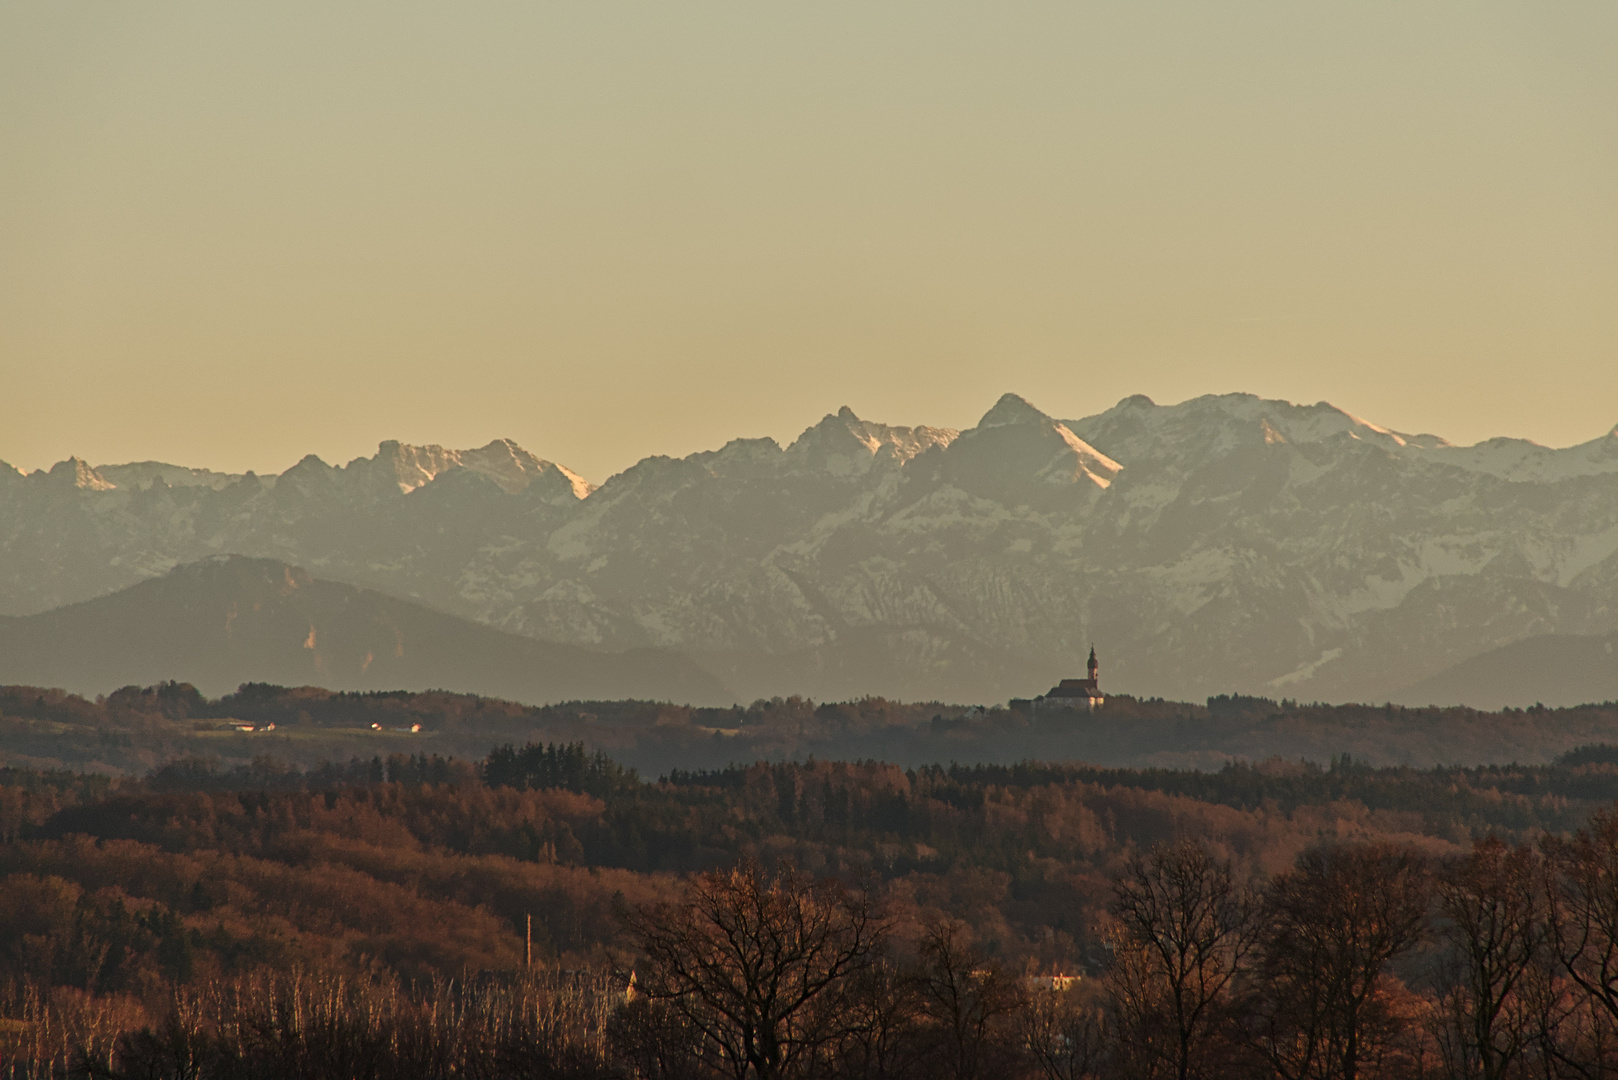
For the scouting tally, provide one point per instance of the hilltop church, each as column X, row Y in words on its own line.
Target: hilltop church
column 1069, row 693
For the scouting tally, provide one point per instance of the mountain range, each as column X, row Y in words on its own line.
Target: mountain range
column 228, row 619
column 1225, row 544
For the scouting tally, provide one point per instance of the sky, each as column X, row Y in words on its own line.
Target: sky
column 235, row 234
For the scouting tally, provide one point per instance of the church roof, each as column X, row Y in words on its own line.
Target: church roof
column 1075, row 688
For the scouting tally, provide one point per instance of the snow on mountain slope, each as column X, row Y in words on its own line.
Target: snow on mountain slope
column 1224, row 543
column 844, row 445
column 409, row 468
column 515, row 469
column 73, row 474
column 1521, row 460
column 143, row 474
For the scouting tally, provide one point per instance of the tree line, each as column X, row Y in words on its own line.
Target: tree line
column 132, row 728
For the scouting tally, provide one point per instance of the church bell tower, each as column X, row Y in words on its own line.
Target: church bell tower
column 1093, row 667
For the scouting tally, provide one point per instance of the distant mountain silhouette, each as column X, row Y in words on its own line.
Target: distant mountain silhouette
column 1556, row 670
column 230, row 619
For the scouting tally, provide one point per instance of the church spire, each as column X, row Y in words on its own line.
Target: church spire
column 1094, row 666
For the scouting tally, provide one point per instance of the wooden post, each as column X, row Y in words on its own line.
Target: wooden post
column 528, row 942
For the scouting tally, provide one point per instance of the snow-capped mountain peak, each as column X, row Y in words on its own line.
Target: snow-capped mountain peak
column 515, row 469
column 1012, row 409
column 1020, row 452
column 844, row 445
column 76, row 474
column 403, row 468
column 408, row 467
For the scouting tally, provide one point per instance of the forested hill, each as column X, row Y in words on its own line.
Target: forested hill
column 425, row 864
column 137, row 728
column 196, row 882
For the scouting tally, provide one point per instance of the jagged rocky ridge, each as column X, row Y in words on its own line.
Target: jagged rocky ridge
column 1227, row 543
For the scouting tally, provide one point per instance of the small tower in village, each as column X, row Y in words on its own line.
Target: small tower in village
column 1094, row 668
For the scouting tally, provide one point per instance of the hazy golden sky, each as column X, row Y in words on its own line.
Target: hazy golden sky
column 232, row 234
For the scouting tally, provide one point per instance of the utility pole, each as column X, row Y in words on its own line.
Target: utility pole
column 528, row 942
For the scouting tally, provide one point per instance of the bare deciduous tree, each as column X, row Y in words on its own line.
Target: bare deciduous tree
column 1573, row 1037
column 881, row 1038
column 1494, row 924
column 653, row 1041
column 757, row 964
column 1583, row 902
column 1067, row 1035
column 968, row 1001
column 1183, row 931
column 1321, row 1005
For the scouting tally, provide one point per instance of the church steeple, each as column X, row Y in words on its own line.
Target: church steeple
column 1094, row 668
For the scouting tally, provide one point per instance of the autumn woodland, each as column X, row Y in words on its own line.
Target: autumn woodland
column 542, row 910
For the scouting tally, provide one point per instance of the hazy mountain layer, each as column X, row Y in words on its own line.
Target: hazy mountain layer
column 229, row 620
column 1226, row 543
column 1556, row 670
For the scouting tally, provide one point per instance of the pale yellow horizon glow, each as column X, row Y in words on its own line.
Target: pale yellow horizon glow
column 231, row 235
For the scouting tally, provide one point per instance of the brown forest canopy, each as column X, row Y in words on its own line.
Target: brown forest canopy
column 425, row 864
